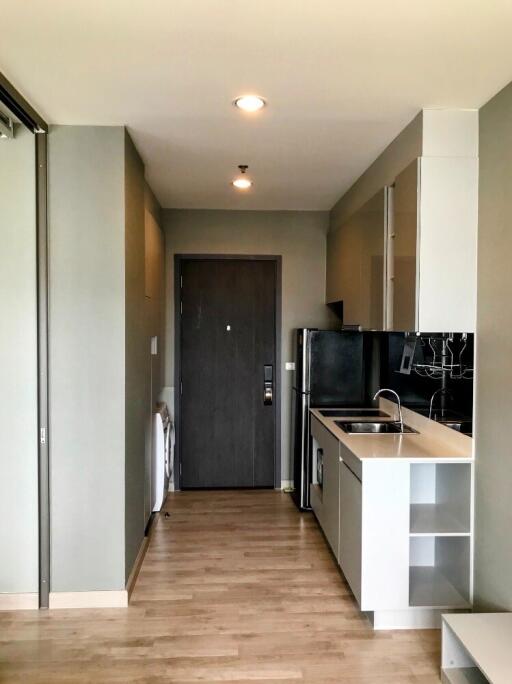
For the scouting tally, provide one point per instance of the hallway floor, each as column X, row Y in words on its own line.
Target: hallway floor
column 236, row 586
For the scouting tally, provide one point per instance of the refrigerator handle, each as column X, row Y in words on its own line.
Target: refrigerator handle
column 306, row 365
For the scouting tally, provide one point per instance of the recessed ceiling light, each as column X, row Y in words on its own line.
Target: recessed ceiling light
column 250, row 103
column 242, row 182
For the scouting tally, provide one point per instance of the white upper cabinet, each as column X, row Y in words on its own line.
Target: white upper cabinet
column 447, row 237
column 406, row 260
column 432, row 246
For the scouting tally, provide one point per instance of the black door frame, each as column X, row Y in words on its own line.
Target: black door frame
column 178, row 260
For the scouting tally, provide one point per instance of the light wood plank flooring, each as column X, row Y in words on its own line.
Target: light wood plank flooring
column 236, row 587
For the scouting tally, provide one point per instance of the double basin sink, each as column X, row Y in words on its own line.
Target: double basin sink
column 369, row 428
column 389, row 427
column 366, row 427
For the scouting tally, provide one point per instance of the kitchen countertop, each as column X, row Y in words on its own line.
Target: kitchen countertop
column 433, row 441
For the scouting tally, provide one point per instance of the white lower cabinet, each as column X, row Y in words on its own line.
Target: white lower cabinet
column 325, row 498
column 374, row 531
column 331, row 497
column 350, row 547
column 401, row 532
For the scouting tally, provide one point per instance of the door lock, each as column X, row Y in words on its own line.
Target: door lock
column 268, row 385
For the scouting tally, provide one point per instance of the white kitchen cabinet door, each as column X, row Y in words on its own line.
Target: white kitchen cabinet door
column 432, row 246
column 447, row 244
column 385, row 535
column 350, row 546
column 325, row 499
column 331, row 496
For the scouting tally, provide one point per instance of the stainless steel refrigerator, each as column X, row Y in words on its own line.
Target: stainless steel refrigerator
column 329, row 372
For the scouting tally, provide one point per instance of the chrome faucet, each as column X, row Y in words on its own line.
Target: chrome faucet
column 441, row 390
column 400, row 417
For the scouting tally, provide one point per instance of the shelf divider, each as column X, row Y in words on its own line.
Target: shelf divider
column 436, row 519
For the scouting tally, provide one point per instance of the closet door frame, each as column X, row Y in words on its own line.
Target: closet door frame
column 28, row 116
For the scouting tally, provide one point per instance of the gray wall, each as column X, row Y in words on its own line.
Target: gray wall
column 155, row 319
column 18, row 367
column 300, row 237
column 155, row 288
column 87, row 357
column 137, row 356
column 493, row 507
column 100, row 366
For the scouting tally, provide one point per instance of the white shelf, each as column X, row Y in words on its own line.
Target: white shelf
column 429, row 588
column 463, row 675
column 436, row 519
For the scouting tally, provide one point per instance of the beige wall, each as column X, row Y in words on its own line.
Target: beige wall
column 493, row 506
column 19, row 563
column 300, row 237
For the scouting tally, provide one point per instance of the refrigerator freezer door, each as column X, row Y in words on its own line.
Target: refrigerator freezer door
column 336, row 368
column 301, row 449
column 302, row 347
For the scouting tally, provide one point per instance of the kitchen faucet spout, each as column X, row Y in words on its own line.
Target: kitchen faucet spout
column 400, row 417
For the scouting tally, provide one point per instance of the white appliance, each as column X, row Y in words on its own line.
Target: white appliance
column 163, row 447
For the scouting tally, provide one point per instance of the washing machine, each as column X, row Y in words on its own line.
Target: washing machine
column 162, row 462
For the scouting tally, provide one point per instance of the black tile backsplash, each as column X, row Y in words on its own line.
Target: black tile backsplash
column 416, row 390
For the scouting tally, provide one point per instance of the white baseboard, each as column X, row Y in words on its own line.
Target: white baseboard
column 286, row 484
column 29, row 601
column 89, row 599
column 408, row 618
column 137, row 565
column 101, row 599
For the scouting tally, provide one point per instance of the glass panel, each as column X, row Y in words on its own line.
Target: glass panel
column 18, row 365
column 405, row 201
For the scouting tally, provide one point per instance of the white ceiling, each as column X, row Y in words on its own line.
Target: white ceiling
column 342, row 78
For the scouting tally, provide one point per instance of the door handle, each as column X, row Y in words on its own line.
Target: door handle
column 268, row 385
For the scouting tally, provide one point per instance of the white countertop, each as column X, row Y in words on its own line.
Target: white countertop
column 432, row 441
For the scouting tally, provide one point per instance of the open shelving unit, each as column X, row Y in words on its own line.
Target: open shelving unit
column 440, row 535
column 476, row 648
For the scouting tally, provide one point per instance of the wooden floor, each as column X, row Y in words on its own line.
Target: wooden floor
column 236, row 587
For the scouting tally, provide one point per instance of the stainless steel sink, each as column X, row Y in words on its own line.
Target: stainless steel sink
column 368, row 428
column 463, row 426
column 357, row 412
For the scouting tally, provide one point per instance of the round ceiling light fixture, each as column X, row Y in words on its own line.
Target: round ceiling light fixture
column 242, row 182
column 249, row 103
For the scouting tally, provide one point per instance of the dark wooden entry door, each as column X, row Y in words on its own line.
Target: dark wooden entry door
column 228, row 323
